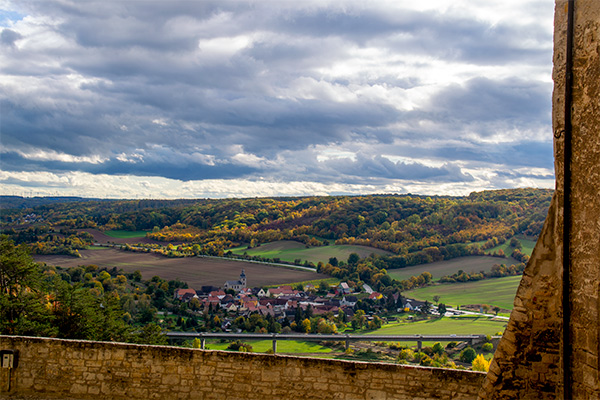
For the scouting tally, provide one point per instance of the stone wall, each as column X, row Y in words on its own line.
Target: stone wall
column 67, row 369
column 529, row 362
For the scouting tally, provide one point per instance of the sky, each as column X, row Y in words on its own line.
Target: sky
column 197, row 99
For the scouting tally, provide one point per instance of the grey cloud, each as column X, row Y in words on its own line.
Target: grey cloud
column 483, row 99
column 8, row 37
column 146, row 87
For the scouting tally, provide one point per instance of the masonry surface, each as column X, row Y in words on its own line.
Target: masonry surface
column 67, row 369
column 531, row 359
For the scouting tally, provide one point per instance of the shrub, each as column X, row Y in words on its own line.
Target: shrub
column 467, row 355
column 396, row 346
column 239, row 346
column 438, row 348
column 419, row 356
column 405, row 354
column 427, row 361
column 480, row 364
column 487, row 347
column 451, row 345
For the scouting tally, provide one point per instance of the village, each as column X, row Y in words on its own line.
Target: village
column 289, row 305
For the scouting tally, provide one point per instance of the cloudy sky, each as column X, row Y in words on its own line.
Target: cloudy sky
column 164, row 99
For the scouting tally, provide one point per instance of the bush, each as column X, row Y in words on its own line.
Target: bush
column 451, row 345
column 427, row 361
column 396, row 346
column 240, row 346
column 406, row 354
column 467, row 355
column 480, row 364
column 438, row 348
column 487, row 347
column 419, row 356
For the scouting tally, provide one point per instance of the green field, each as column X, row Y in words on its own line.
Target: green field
column 444, row 326
column 439, row 269
column 495, row 292
column 125, row 234
column 527, row 244
column 97, row 248
column 289, row 250
column 283, row 346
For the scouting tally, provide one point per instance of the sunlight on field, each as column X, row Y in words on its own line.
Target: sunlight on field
column 444, row 326
column 494, row 292
column 289, row 250
column 117, row 234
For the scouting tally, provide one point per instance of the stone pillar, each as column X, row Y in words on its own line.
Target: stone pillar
column 528, row 363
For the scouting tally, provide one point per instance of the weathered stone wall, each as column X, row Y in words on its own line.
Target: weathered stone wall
column 66, row 369
column 528, row 363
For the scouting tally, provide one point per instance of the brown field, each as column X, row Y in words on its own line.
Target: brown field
column 196, row 271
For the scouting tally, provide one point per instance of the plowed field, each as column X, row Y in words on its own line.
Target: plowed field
column 196, row 271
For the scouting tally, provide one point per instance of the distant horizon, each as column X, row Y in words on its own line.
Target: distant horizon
column 258, row 197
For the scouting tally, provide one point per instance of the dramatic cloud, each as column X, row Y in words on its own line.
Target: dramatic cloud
column 99, row 98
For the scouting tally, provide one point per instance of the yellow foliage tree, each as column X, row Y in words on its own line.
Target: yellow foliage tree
column 480, row 364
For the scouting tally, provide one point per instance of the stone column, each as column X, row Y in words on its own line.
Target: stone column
column 528, row 363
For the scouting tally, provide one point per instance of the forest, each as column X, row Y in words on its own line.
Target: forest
column 412, row 229
column 404, row 225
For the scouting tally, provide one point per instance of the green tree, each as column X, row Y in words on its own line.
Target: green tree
column 442, row 309
column 22, row 311
column 438, row 348
column 467, row 355
column 358, row 320
column 353, row 259
column 150, row 334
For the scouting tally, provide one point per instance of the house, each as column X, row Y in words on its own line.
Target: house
column 282, row 291
column 237, row 285
column 343, row 288
column 367, row 288
column 413, row 305
column 180, row 293
column 375, row 296
column 348, row 301
column 218, row 294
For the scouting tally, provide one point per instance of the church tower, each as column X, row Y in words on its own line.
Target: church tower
column 243, row 279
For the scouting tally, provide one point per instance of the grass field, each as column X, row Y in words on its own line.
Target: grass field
column 444, row 326
column 495, row 292
column 283, row 346
column 289, row 250
column 441, row 268
column 125, row 234
column 527, row 244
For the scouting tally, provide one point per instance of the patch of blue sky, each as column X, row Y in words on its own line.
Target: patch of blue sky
column 8, row 17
